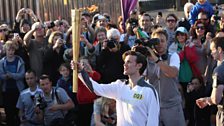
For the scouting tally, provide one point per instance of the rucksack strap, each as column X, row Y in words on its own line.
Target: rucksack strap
column 54, row 93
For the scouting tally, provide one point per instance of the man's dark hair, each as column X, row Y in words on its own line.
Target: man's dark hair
column 160, row 13
column 172, row 15
column 132, row 21
column 146, row 14
column 31, row 71
column 45, row 76
column 219, row 42
column 140, row 58
column 142, row 49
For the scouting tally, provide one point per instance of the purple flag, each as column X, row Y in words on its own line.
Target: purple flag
column 126, row 7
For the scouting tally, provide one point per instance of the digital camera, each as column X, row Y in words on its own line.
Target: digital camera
column 40, row 102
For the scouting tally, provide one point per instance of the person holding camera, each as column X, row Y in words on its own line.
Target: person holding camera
column 217, row 21
column 22, row 25
column 196, row 116
column 216, row 97
column 93, row 50
column 53, row 56
column 132, row 32
column 162, row 72
column 55, row 103
column 110, row 63
column 28, row 102
column 36, row 46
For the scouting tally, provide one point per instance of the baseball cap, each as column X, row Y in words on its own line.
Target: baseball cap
column 182, row 30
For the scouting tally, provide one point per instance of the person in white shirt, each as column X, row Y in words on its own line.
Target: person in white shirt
column 137, row 102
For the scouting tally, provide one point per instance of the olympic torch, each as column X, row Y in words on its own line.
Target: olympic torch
column 76, row 20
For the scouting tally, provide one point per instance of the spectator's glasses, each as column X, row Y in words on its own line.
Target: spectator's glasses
column 170, row 20
column 200, row 27
column 3, row 30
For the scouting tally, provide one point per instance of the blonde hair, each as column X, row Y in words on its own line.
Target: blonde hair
column 160, row 31
column 105, row 103
column 10, row 45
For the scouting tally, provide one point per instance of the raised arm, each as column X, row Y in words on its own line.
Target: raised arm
column 31, row 14
column 29, row 34
column 20, row 13
column 170, row 69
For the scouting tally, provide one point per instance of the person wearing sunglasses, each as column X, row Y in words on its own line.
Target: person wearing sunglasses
column 162, row 72
column 171, row 21
column 203, row 17
column 201, row 39
column 199, row 6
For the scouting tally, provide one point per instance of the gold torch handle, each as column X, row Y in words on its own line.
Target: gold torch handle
column 76, row 20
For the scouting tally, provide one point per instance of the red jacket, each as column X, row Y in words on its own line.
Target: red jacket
column 192, row 58
column 84, row 95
